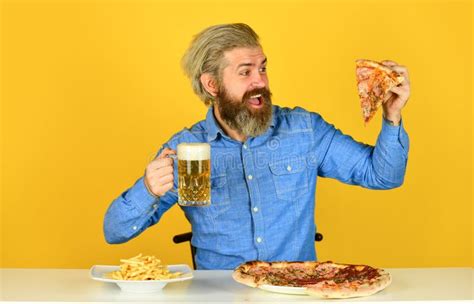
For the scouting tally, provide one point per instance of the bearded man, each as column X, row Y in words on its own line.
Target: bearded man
column 265, row 160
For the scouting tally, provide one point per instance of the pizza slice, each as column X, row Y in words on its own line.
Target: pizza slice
column 374, row 81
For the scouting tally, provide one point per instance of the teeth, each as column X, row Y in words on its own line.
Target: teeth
column 256, row 96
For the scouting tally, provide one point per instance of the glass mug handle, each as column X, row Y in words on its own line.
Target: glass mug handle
column 174, row 157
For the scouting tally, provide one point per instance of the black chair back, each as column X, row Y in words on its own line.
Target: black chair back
column 186, row 237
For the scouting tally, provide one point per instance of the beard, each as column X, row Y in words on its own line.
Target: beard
column 240, row 116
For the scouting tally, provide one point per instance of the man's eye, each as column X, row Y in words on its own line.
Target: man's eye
column 263, row 69
column 245, row 73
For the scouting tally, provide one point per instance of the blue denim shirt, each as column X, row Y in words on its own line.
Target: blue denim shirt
column 263, row 190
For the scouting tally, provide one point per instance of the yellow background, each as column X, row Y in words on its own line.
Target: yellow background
column 91, row 89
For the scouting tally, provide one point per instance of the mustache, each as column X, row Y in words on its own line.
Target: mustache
column 266, row 94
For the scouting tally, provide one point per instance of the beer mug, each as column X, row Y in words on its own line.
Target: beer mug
column 194, row 174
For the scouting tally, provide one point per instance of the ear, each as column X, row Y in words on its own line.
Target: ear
column 209, row 83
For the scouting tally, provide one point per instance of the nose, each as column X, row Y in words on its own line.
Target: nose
column 258, row 81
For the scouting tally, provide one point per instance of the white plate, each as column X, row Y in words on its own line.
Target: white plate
column 284, row 289
column 97, row 272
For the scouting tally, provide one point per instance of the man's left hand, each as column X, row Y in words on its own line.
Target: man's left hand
column 398, row 96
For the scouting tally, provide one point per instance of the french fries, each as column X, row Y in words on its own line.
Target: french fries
column 142, row 268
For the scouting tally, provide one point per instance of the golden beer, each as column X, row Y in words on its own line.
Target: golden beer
column 194, row 174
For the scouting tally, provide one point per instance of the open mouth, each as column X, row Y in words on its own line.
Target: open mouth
column 255, row 101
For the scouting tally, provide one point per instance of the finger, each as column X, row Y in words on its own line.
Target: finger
column 160, row 163
column 159, row 173
column 163, row 162
column 389, row 63
column 401, row 91
column 164, row 171
column 400, row 69
column 168, row 186
column 166, row 179
column 388, row 96
column 159, row 180
column 405, row 75
column 161, row 190
column 166, row 152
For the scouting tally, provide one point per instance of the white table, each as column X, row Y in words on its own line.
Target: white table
column 75, row 285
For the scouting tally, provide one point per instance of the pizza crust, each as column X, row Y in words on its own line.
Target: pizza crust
column 376, row 65
column 244, row 279
column 241, row 273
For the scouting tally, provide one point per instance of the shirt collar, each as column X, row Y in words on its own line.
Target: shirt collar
column 213, row 128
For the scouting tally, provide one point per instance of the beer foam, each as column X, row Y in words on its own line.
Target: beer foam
column 194, row 151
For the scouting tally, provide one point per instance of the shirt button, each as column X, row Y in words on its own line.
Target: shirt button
column 255, row 209
column 259, row 240
column 288, row 168
column 245, row 146
column 155, row 206
column 250, row 177
column 134, row 227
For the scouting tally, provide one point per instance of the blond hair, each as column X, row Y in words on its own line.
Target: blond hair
column 206, row 53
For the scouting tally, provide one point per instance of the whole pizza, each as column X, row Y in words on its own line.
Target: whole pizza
column 322, row 279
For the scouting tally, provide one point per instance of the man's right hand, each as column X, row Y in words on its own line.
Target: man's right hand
column 159, row 174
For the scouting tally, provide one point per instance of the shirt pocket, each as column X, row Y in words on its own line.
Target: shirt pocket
column 290, row 177
column 220, row 199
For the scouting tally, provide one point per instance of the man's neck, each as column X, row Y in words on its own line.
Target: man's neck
column 225, row 127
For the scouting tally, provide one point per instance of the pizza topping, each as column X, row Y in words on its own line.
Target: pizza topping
column 364, row 73
column 298, row 276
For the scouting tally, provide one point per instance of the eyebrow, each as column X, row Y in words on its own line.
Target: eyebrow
column 251, row 64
